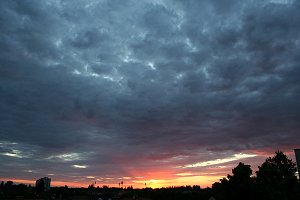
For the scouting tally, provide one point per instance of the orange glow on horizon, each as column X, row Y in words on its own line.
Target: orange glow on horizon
column 203, row 181
column 203, row 175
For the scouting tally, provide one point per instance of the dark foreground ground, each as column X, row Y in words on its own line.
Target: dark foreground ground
column 217, row 192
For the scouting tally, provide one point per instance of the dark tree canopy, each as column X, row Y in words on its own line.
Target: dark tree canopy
column 9, row 183
column 275, row 180
column 276, row 177
column 241, row 182
column 239, row 185
column 279, row 167
column 241, row 173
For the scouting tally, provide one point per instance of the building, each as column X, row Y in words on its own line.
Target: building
column 297, row 154
column 44, row 183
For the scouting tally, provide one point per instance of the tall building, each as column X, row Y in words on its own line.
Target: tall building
column 43, row 182
column 297, row 154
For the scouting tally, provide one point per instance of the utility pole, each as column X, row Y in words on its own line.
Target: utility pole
column 297, row 155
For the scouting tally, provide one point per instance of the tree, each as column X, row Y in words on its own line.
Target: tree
column 241, row 174
column 9, row 183
column 221, row 189
column 241, row 183
column 276, row 177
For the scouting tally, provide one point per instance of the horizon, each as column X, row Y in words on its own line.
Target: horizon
column 162, row 92
column 149, row 183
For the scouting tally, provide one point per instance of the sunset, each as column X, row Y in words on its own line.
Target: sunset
column 147, row 93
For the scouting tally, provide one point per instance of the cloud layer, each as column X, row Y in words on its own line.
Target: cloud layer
column 133, row 90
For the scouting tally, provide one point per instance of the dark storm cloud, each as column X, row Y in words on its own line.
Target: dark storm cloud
column 95, row 82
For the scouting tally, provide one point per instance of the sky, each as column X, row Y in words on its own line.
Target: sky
column 162, row 92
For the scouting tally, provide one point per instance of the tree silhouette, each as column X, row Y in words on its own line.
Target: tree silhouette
column 240, row 182
column 276, row 177
column 239, row 185
column 9, row 183
column 221, row 190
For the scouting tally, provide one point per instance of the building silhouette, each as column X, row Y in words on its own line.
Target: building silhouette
column 297, row 154
column 44, row 183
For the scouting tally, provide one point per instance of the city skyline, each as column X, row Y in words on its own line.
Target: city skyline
column 161, row 92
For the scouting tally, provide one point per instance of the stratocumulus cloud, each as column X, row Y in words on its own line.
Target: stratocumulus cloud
column 140, row 89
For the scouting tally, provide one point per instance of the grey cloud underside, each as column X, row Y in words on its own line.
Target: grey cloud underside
column 164, row 79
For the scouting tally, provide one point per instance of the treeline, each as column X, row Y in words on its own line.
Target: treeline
column 275, row 180
column 9, row 190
